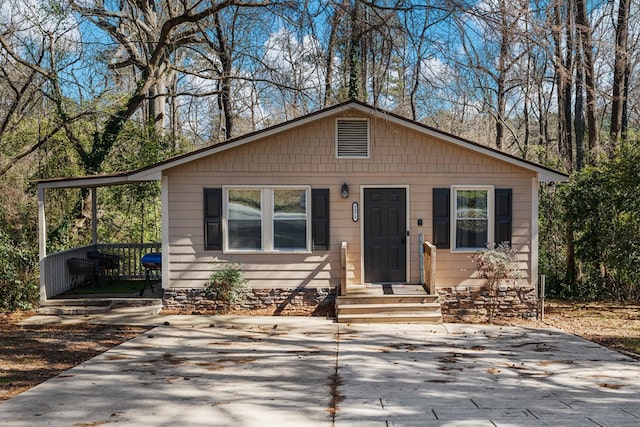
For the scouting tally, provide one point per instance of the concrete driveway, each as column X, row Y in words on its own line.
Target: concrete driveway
column 301, row 371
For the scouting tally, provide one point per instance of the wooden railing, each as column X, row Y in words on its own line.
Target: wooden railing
column 427, row 265
column 430, row 267
column 54, row 274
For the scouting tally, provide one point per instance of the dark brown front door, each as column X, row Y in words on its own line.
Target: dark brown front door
column 385, row 235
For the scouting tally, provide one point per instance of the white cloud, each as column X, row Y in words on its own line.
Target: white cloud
column 294, row 62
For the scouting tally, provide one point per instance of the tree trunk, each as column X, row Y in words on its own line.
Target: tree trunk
column 331, row 49
column 564, row 68
column 620, row 67
column 224, row 96
column 157, row 102
column 586, row 43
column 579, row 122
column 501, row 76
column 355, row 50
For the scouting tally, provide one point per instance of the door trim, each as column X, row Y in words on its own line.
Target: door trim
column 407, row 188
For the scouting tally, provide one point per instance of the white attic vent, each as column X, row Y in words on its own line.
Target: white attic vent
column 352, row 138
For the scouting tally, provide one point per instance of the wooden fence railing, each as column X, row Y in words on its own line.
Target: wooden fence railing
column 130, row 255
column 55, row 278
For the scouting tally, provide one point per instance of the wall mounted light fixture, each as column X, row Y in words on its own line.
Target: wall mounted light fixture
column 344, row 192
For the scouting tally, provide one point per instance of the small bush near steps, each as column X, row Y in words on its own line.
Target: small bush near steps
column 228, row 285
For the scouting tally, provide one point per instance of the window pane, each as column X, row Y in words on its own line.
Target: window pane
column 471, row 204
column 244, row 204
column 245, row 219
column 290, row 219
column 244, row 234
column 471, row 234
column 472, row 222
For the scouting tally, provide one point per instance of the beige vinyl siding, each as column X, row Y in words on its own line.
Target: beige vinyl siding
column 306, row 156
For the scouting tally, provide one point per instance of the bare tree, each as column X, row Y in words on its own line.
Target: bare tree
column 38, row 46
column 336, row 16
column 492, row 40
column 562, row 29
column 620, row 71
column 588, row 66
column 147, row 34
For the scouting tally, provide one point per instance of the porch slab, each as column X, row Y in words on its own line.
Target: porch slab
column 304, row 371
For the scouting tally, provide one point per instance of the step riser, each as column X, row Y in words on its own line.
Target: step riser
column 113, row 302
column 72, row 311
column 89, row 306
column 390, row 317
column 407, row 320
column 365, row 312
column 148, row 310
column 391, row 299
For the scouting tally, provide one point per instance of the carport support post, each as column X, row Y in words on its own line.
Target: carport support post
column 94, row 216
column 42, row 224
column 42, row 241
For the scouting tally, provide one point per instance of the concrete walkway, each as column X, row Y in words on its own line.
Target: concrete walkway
column 301, row 371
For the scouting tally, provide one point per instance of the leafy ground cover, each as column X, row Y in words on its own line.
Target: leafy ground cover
column 32, row 354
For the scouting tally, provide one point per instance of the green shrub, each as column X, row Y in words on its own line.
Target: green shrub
column 19, row 286
column 228, row 285
column 603, row 204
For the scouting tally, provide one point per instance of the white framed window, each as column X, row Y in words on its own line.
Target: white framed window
column 352, row 138
column 267, row 219
column 472, row 217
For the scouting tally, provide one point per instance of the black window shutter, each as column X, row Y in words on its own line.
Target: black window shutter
column 213, row 218
column 320, row 218
column 504, row 201
column 441, row 217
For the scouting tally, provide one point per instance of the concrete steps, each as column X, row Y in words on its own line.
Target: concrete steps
column 388, row 309
column 88, row 306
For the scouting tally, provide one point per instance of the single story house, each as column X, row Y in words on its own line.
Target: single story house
column 339, row 199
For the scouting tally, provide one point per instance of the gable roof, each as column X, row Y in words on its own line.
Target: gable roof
column 154, row 172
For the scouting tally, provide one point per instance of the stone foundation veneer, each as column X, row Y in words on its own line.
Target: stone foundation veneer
column 195, row 299
column 469, row 303
column 458, row 303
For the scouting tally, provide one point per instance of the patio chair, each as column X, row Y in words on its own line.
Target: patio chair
column 108, row 264
column 88, row 269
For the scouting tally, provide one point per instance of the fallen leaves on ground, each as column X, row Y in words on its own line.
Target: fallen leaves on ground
column 613, row 325
column 32, row 354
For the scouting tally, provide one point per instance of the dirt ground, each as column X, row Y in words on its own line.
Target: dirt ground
column 609, row 324
column 30, row 355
